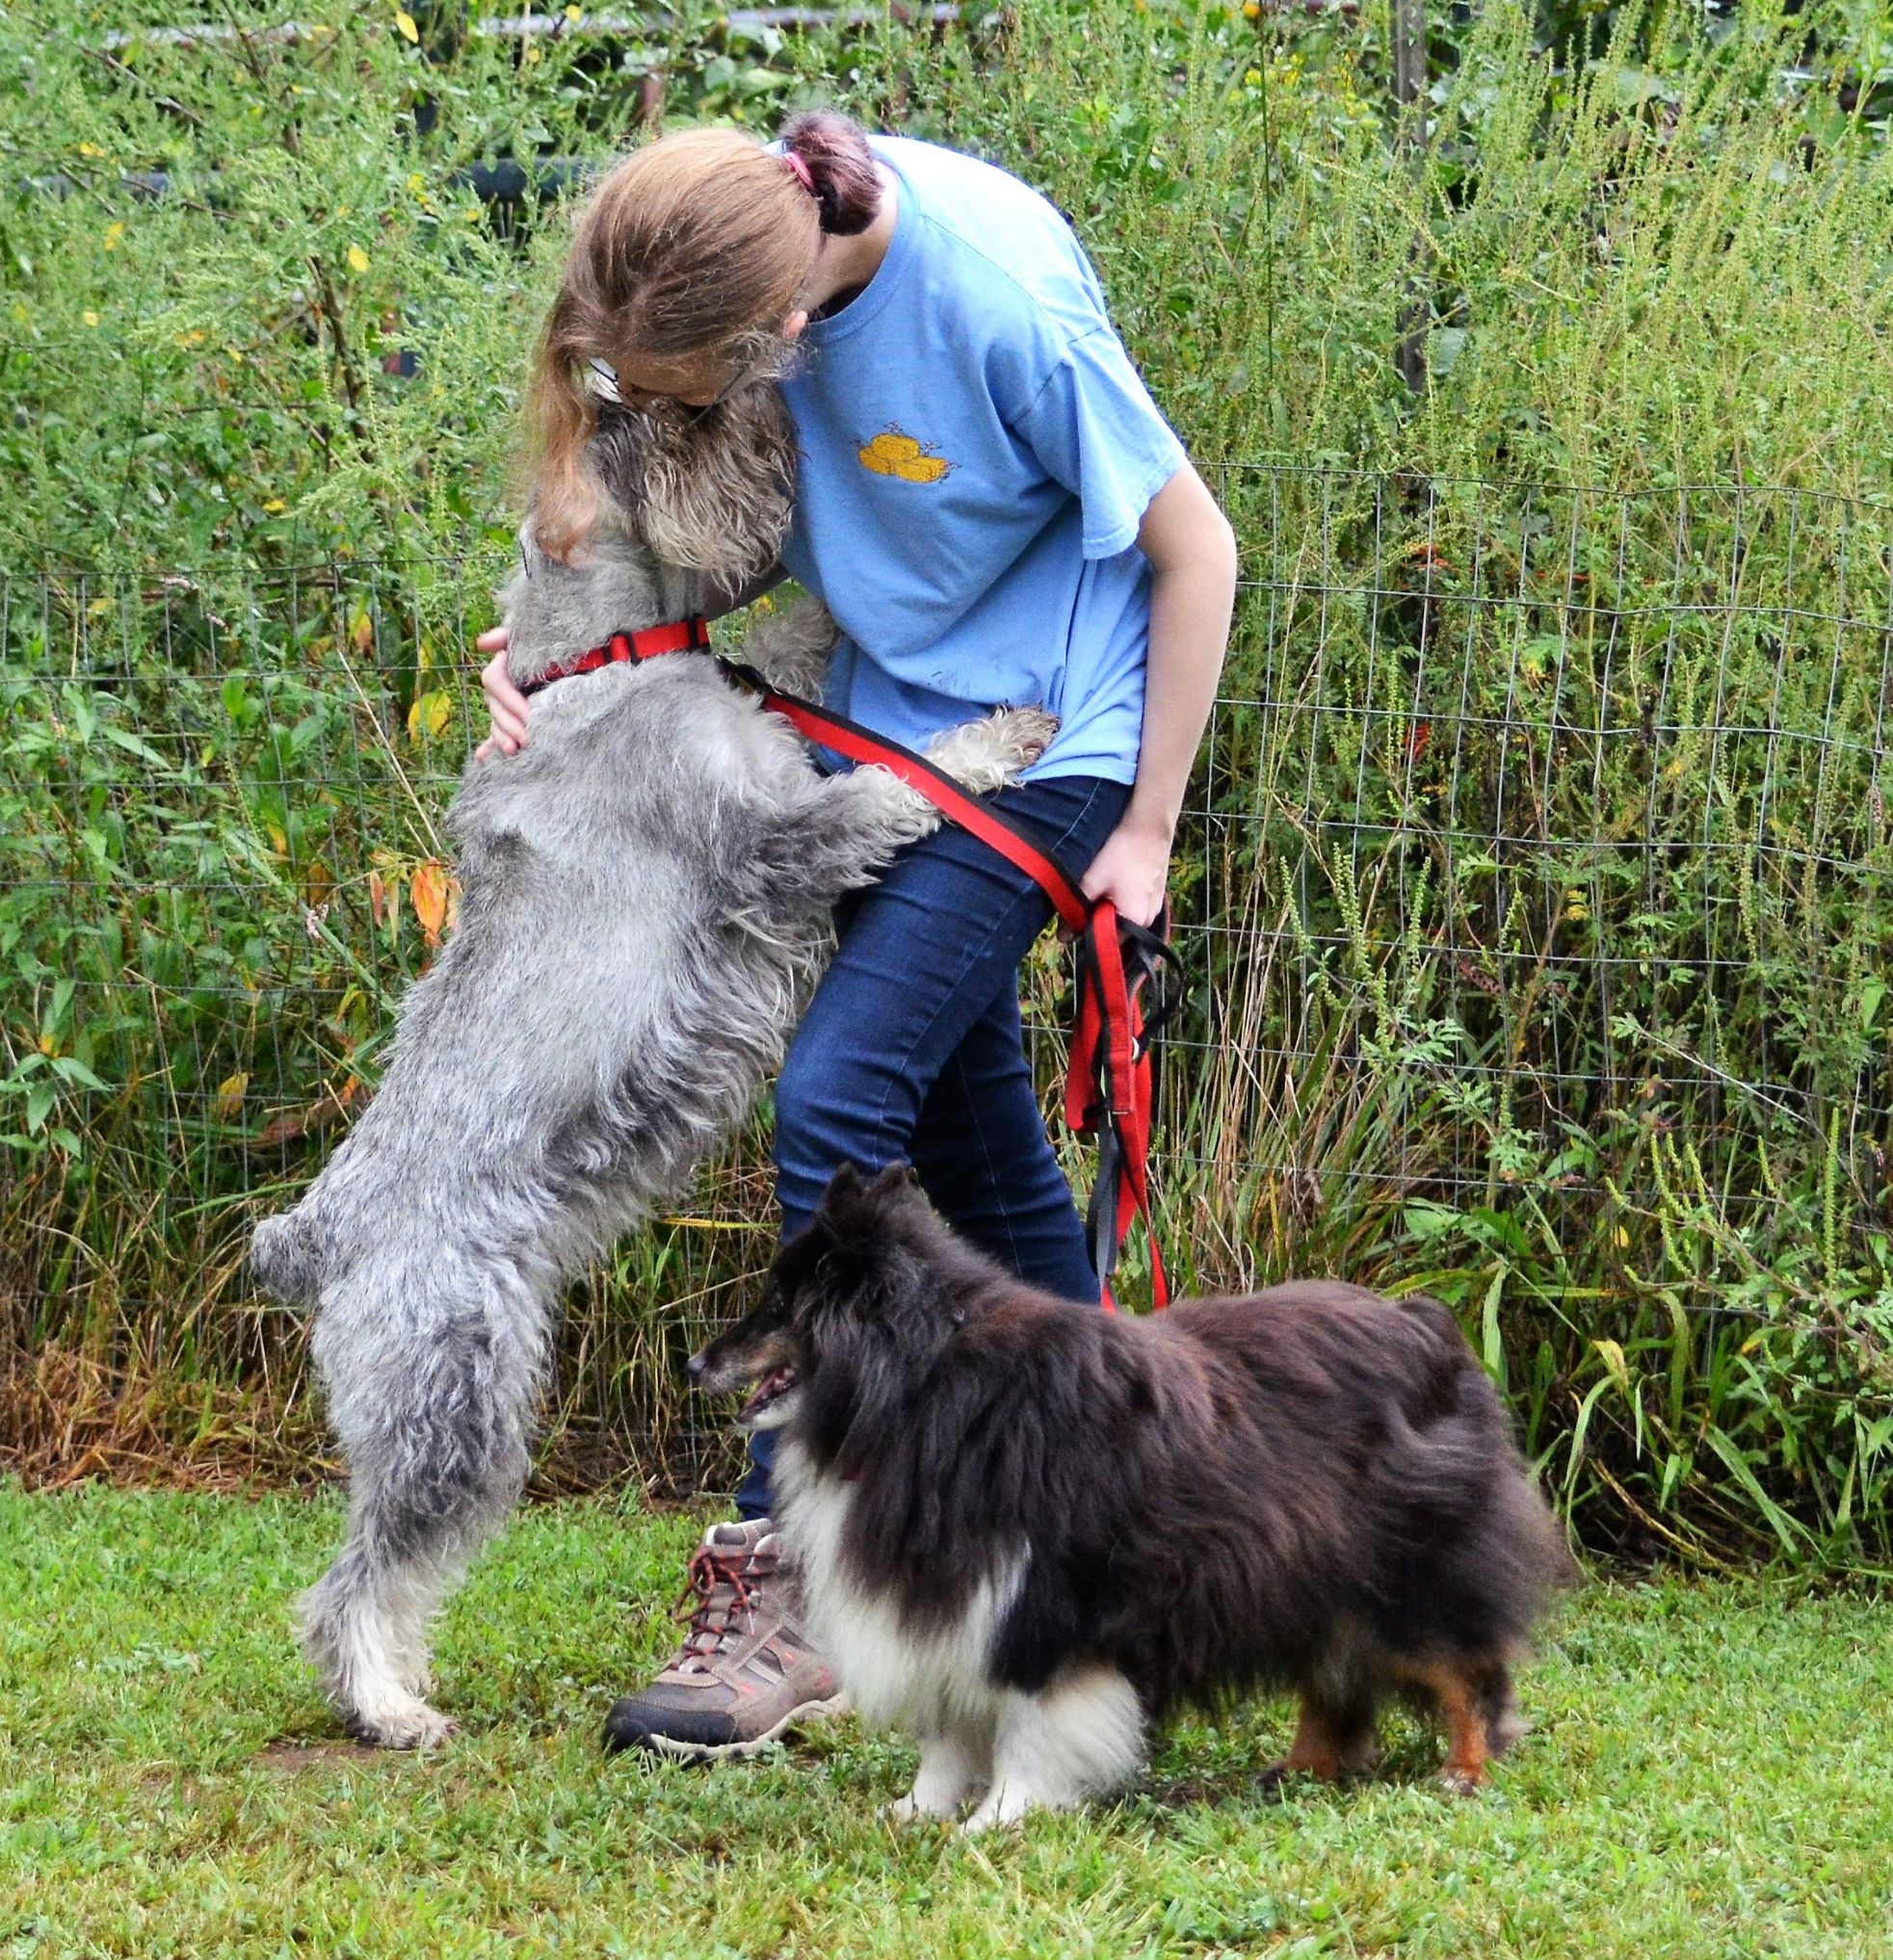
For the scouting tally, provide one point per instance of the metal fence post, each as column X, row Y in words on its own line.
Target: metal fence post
column 1408, row 33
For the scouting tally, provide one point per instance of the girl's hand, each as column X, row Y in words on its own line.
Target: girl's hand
column 1131, row 871
column 505, row 703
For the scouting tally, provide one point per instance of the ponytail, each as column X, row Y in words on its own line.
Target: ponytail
column 841, row 174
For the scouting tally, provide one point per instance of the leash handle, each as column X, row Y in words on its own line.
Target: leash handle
column 1111, row 1089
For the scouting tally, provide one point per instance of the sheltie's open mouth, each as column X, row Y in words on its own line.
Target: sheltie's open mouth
column 767, row 1393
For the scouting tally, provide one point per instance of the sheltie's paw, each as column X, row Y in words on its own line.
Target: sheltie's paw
column 1462, row 1782
column 906, row 1810
column 1001, row 1808
column 1271, row 1784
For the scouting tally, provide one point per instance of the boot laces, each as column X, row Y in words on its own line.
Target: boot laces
column 720, row 1594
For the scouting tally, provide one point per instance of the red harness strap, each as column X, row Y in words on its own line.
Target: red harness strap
column 1111, row 1089
column 675, row 636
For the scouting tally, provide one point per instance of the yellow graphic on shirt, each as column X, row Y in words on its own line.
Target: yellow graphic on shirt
column 893, row 453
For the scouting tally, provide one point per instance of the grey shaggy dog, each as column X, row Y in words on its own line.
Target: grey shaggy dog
column 646, row 899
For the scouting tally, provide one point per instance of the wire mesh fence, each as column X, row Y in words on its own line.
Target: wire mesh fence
column 1536, row 884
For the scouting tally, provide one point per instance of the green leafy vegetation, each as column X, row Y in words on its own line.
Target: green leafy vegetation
column 1538, row 876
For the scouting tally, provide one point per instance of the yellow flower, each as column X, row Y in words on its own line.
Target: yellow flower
column 90, row 149
column 532, row 55
column 1253, row 10
column 357, row 258
column 575, row 14
column 89, row 317
column 275, row 507
column 416, row 183
column 1253, row 79
column 114, row 233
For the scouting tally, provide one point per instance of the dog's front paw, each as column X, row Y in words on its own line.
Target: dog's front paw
column 1462, row 1782
column 1027, row 731
column 987, row 755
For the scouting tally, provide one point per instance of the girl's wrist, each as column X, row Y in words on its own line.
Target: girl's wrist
column 1149, row 817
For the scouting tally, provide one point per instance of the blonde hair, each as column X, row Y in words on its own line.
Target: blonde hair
column 696, row 246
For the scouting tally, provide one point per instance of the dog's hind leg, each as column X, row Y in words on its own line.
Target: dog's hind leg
column 1083, row 1737
column 956, row 1765
column 1491, row 1682
column 1461, row 1689
column 437, row 1438
column 1333, row 1739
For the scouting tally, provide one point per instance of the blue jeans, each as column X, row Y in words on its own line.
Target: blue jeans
column 912, row 1047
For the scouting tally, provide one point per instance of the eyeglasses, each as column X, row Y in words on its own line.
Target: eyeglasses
column 602, row 377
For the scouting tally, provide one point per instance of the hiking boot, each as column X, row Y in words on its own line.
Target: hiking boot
column 744, row 1673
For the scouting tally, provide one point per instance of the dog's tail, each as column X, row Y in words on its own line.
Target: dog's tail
column 1519, row 1549
column 286, row 1254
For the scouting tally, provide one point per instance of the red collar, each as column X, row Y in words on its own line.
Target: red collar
column 675, row 636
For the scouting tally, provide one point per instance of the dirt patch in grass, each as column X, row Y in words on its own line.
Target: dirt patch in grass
column 292, row 1758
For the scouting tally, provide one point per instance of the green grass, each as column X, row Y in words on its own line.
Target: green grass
column 1707, row 1775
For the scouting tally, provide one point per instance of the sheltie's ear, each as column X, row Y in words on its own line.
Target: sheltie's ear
column 850, row 1248
column 854, row 1206
column 845, row 1183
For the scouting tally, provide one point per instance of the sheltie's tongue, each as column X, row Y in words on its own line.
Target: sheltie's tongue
column 776, row 1384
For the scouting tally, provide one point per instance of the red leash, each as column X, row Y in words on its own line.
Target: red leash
column 1123, row 1001
column 1111, row 1089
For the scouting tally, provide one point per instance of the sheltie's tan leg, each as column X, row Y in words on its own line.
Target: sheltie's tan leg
column 1323, row 1745
column 1464, row 1707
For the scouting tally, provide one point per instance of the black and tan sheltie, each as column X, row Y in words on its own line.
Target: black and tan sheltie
column 1028, row 1529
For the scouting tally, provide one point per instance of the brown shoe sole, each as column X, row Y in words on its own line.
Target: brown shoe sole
column 753, row 1746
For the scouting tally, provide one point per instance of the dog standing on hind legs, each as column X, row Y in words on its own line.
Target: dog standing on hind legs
column 646, row 892
column 1028, row 1530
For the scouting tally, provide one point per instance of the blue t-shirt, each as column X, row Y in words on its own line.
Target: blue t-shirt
column 977, row 456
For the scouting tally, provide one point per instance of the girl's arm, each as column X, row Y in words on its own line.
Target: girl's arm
column 1193, row 562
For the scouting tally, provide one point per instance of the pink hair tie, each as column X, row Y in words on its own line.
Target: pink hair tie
column 799, row 170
